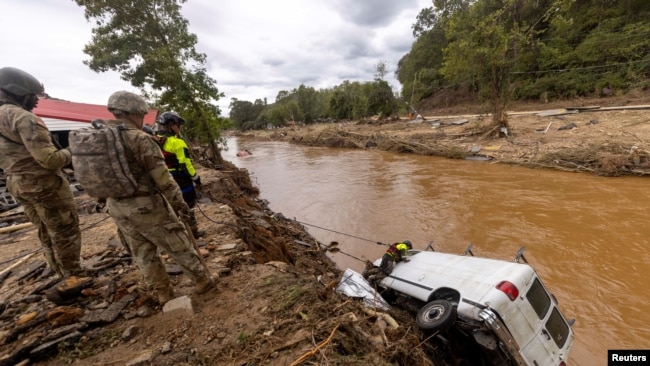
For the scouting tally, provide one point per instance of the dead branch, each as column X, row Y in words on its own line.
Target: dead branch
column 315, row 350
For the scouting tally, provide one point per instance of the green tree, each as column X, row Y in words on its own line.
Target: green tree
column 381, row 69
column 307, row 102
column 241, row 111
column 282, row 94
column 148, row 43
column 381, row 99
column 483, row 42
column 419, row 70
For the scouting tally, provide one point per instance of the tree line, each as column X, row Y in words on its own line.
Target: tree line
column 304, row 104
column 495, row 51
column 492, row 51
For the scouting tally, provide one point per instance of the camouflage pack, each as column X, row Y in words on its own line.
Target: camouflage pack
column 99, row 160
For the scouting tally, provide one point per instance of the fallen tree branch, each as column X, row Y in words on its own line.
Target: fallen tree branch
column 9, row 229
column 389, row 319
column 315, row 350
column 17, row 263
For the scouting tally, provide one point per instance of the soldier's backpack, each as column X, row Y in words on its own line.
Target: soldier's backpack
column 100, row 160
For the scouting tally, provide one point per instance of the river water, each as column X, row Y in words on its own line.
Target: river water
column 586, row 236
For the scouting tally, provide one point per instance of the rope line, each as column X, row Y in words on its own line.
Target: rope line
column 215, row 221
column 338, row 232
column 304, row 223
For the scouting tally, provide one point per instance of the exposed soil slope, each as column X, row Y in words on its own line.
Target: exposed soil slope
column 275, row 302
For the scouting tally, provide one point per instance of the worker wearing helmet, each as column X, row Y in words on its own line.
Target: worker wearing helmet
column 177, row 158
column 152, row 221
column 33, row 168
column 395, row 253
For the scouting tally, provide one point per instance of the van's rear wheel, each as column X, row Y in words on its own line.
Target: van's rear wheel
column 437, row 315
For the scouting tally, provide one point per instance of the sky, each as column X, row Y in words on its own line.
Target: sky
column 254, row 48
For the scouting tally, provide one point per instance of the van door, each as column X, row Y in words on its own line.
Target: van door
column 553, row 335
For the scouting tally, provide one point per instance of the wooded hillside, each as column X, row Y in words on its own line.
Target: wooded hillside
column 492, row 51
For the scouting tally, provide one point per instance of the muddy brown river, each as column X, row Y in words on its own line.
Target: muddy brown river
column 587, row 236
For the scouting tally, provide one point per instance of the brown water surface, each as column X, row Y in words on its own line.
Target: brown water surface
column 586, row 236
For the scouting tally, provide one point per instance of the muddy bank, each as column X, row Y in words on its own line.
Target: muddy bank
column 607, row 141
column 275, row 302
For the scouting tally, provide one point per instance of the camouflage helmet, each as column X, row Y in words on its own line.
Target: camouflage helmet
column 128, row 102
column 408, row 244
column 19, row 82
column 170, row 116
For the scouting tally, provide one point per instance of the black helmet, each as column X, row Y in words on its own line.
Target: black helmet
column 169, row 117
column 19, row 82
column 408, row 244
column 20, row 86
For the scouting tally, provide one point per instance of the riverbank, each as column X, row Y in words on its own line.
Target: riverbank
column 608, row 137
column 275, row 302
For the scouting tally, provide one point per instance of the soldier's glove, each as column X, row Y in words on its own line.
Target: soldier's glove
column 197, row 182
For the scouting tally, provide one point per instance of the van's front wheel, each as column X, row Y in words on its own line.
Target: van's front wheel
column 437, row 315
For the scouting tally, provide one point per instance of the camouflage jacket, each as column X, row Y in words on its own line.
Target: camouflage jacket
column 26, row 145
column 148, row 158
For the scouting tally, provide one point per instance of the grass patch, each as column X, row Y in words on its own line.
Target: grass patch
column 287, row 298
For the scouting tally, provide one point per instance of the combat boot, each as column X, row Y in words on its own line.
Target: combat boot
column 198, row 233
column 78, row 272
column 204, row 284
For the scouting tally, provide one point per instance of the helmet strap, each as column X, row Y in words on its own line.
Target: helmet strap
column 29, row 101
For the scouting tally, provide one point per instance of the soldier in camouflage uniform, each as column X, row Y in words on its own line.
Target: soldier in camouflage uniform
column 150, row 220
column 33, row 168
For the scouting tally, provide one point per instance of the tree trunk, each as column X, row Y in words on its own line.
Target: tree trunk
column 213, row 141
column 499, row 116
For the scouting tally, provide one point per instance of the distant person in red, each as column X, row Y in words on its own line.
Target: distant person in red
column 243, row 153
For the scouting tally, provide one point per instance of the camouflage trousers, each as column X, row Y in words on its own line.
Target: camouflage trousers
column 387, row 264
column 49, row 204
column 190, row 198
column 149, row 227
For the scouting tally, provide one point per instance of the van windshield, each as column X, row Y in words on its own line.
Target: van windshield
column 538, row 298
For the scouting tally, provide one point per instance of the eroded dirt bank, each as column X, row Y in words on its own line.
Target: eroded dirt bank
column 275, row 303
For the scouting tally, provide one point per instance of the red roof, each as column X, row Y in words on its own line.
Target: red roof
column 81, row 112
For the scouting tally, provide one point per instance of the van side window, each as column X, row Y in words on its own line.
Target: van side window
column 538, row 298
column 558, row 328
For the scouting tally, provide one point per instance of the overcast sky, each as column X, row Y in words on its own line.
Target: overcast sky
column 254, row 48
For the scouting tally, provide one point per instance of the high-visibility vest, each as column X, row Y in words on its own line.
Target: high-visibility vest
column 177, row 154
column 397, row 250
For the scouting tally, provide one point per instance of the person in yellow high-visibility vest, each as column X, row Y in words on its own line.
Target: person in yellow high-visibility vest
column 395, row 253
column 177, row 158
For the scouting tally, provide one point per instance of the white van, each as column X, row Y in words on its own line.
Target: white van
column 502, row 306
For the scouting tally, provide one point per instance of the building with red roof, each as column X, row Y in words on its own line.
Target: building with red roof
column 61, row 117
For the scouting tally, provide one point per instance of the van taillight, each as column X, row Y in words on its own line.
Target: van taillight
column 509, row 289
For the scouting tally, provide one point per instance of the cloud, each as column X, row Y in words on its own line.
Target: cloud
column 254, row 48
